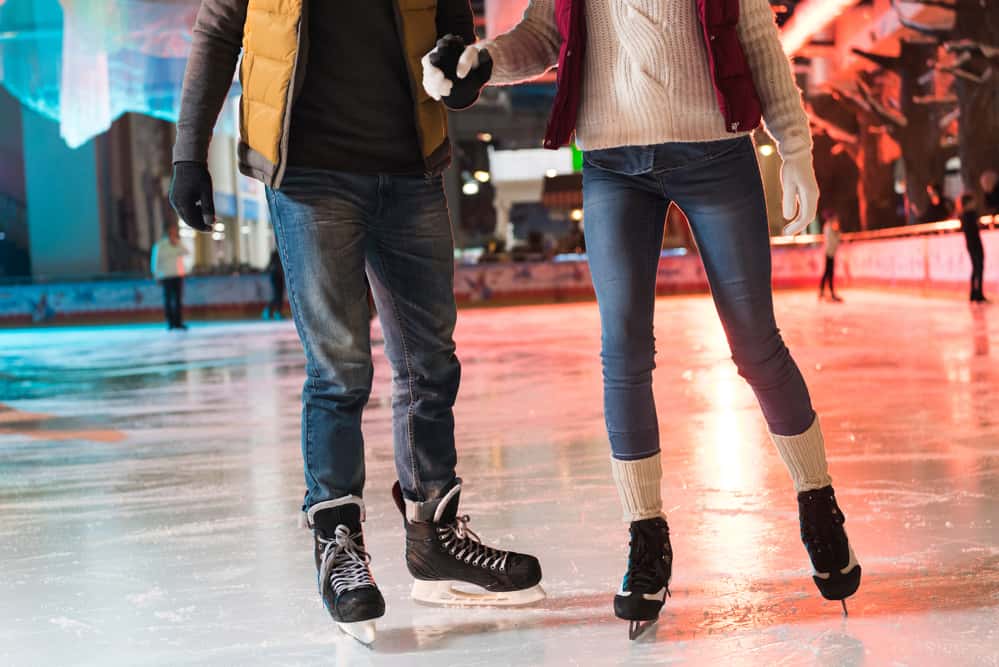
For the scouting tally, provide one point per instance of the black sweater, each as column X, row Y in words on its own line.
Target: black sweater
column 355, row 109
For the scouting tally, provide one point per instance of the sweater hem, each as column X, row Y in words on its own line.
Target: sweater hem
column 602, row 138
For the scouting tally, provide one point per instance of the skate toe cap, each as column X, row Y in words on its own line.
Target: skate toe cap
column 839, row 587
column 362, row 604
column 636, row 608
column 524, row 570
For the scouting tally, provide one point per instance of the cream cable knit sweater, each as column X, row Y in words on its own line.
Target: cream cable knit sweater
column 646, row 76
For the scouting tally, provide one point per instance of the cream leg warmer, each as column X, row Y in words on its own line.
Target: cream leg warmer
column 638, row 487
column 805, row 457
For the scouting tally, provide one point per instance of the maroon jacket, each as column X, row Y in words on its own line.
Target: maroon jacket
column 737, row 97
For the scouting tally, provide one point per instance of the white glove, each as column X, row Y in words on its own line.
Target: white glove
column 434, row 81
column 469, row 60
column 797, row 179
column 436, row 84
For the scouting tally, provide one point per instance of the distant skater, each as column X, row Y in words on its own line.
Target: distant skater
column 939, row 207
column 973, row 241
column 167, row 265
column 276, row 273
column 830, row 230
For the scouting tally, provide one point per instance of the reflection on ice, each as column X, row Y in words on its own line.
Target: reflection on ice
column 149, row 486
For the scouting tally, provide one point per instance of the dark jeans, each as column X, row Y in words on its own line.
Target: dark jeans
column 173, row 301
column 977, row 254
column 330, row 227
column 626, row 192
column 828, row 276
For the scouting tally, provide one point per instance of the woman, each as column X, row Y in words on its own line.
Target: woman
column 662, row 95
column 831, row 238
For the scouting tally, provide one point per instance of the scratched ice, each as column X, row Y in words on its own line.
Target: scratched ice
column 149, row 484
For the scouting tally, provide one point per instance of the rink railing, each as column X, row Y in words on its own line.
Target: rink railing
column 923, row 229
column 929, row 258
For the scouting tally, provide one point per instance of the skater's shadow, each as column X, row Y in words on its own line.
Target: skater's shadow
column 744, row 607
column 552, row 612
column 437, row 637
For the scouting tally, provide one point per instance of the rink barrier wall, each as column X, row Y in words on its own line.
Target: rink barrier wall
column 935, row 264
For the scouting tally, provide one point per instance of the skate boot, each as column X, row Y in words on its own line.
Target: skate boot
column 837, row 572
column 345, row 582
column 646, row 583
column 443, row 553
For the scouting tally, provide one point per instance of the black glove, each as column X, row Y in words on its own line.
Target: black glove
column 191, row 195
column 465, row 91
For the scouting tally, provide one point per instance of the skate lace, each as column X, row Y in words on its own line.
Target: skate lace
column 344, row 562
column 645, row 565
column 820, row 538
column 462, row 543
column 820, row 526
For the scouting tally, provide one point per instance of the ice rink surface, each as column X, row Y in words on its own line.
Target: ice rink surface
column 150, row 484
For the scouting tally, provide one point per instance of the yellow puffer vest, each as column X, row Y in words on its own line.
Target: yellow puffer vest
column 273, row 68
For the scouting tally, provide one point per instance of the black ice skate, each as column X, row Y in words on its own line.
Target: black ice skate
column 837, row 572
column 345, row 582
column 646, row 583
column 443, row 554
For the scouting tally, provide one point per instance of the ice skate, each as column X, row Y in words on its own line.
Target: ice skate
column 452, row 566
column 345, row 582
column 836, row 570
column 646, row 582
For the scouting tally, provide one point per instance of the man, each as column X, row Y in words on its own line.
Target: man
column 831, row 236
column 351, row 151
column 973, row 241
column 276, row 273
column 168, row 269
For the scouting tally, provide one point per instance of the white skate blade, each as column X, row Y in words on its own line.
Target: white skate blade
column 447, row 593
column 362, row 631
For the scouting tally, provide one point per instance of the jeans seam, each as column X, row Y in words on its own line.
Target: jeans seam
column 293, row 302
column 411, row 409
column 627, row 174
column 735, row 145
